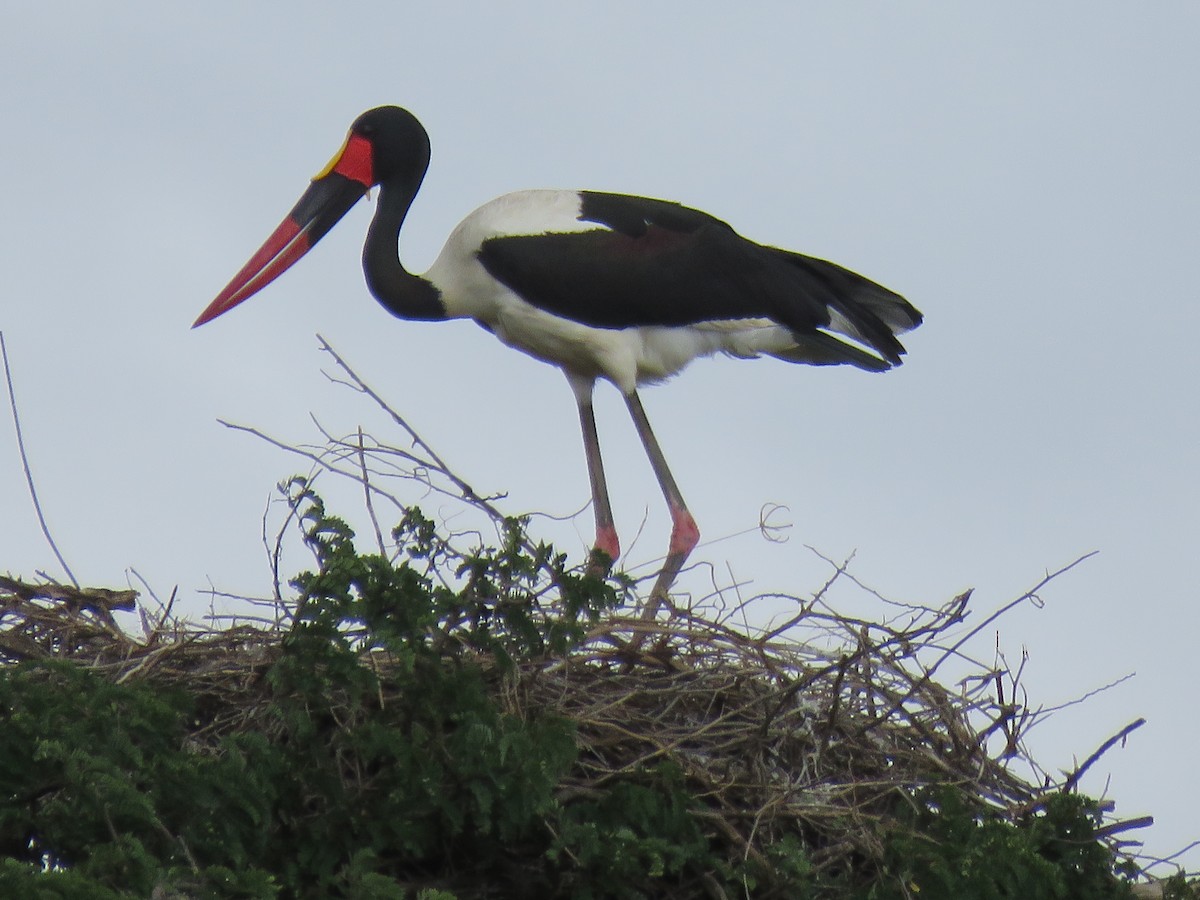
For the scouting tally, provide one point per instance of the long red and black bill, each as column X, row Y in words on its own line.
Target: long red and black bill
column 330, row 196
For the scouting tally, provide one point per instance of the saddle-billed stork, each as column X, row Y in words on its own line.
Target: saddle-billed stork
column 601, row 285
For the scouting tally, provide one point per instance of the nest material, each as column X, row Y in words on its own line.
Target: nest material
column 771, row 733
column 775, row 734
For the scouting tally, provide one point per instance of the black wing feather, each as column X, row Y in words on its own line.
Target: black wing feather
column 659, row 263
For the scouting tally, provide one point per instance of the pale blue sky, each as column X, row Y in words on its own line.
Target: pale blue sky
column 1025, row 175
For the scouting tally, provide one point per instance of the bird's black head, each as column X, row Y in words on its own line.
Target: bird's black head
column 386, row 146
column 399, row 144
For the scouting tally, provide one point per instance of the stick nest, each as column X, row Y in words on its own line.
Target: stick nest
column 815, row 722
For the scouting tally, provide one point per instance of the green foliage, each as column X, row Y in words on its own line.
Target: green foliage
column 101, row 798
column 378, row 763
column 1179, row 887
column 366, row 601
column 630, row 839
column 951, row 846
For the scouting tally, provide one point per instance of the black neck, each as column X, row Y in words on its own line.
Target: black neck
column 401, row 293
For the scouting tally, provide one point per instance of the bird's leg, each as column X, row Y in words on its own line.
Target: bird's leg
column 607, row 543
column 684, row 533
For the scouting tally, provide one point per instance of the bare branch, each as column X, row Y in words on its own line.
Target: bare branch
column 37, row 506
column 1119, row 737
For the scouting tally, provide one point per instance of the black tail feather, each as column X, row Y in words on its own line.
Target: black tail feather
column 875, row 315
column 822, row 349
